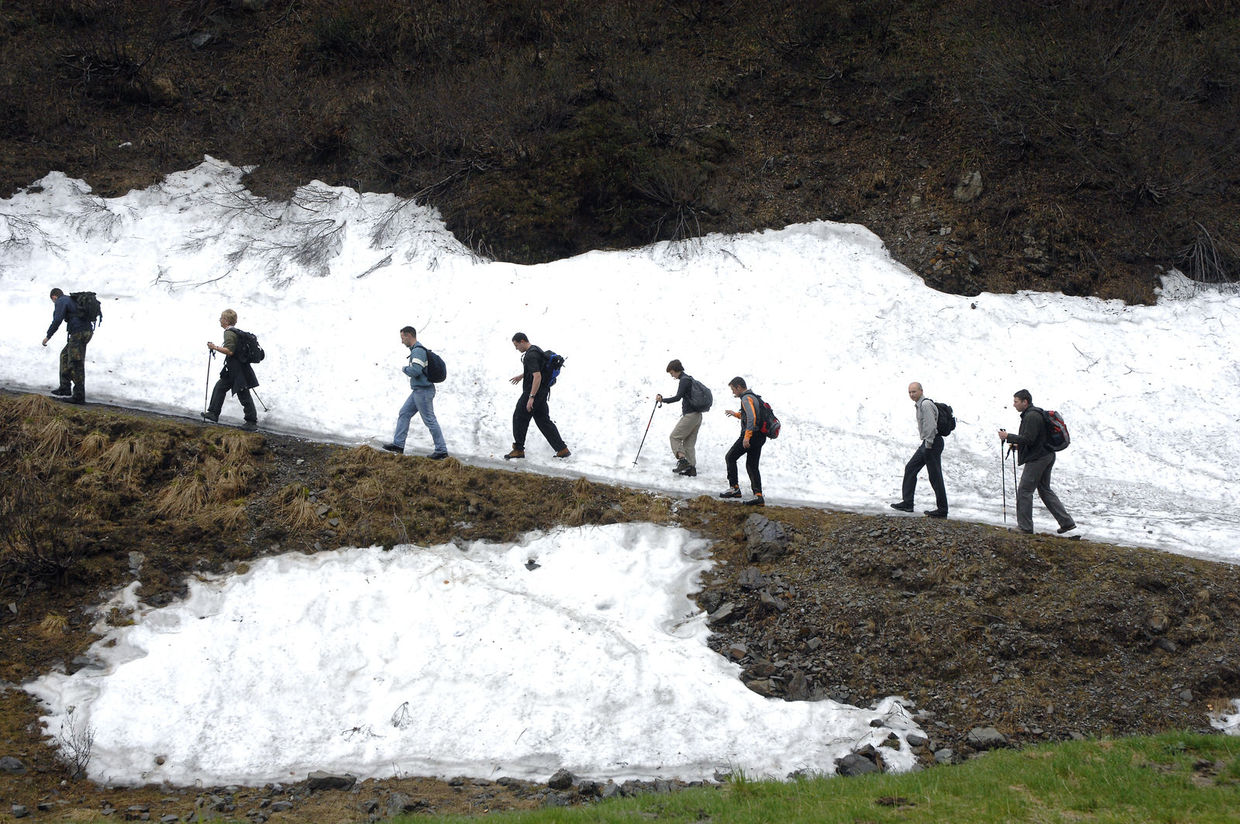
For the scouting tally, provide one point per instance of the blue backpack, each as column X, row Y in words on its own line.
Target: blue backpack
column 554, row 364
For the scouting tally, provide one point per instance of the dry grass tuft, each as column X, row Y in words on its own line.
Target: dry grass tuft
column 53, row 625
column 239, row 445
column 184, row 497
column 295, row 509
column 231, row 517
column 232, row 482
column 92, row 446
column 53, row 440
column 31, row 408
column 125, row 456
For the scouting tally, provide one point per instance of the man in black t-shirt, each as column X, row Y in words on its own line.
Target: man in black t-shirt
column 533, row 401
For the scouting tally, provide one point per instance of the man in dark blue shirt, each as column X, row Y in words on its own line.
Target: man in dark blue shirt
column 533, row 401
column 73, row 356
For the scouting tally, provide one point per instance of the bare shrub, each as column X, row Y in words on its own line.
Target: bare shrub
column 75, row 745
column 1210, row 260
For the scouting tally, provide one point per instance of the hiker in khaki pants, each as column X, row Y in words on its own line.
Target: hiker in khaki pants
column 684, row 434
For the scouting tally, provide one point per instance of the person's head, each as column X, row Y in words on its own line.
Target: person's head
column 520, row 342
column 675, row 368
column 228, row 318
column 1021, row 400
column 408, row 335
column 914, row 391
column 737, row 385
column 57, row 294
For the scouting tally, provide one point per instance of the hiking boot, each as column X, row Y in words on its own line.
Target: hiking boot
column 250, row 426
column 691, row 472
column 935, row 513
column 62, row 392
column 74, row 399
column 437, row 456
column 515, row 453
column 391, row 447
column 902, row 507
column 730, row 493
column 563, row 453
column 1067, row 528
column 207, row 416
column 756, row 500
column 681, row 466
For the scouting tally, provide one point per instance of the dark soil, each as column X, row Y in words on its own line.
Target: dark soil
column 1041, row 637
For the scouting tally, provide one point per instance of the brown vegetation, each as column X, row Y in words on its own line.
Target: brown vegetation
column 1104, row 133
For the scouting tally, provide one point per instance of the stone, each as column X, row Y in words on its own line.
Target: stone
column 610, row 790
column 916, row 739
column 281, row 806
column 319, row 780
column 561, row 780
column 20, row 811
column 969, row 188
column 944, row 756
column 767, row 539
column 854, row 765
column 722, row 614
column 770, row 603
column 986, row 738
column 10, row 765
column 751, row 579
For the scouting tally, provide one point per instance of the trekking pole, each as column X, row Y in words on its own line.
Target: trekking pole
column 657, row 404
column 1003, row 480
column 207, row 387
column 254, row 392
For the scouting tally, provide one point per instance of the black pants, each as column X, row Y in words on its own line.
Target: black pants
column 221, row 390
column 542, row 417
column 932, row 460
column 752, row 455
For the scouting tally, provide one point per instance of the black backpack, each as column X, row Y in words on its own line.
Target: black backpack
column 436, row 369
column 88, row 306
column 700, row 398
column 947, row 419
column 554, row 364
column 1057, row 438
column 248, row 350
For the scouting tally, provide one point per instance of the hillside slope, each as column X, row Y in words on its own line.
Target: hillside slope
column 1050, row 145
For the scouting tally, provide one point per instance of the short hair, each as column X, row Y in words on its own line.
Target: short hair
column 675, row 366
column 230, row 316
column 520, row 336
column 56, row 293
column 1024, row 395
column 409, row 330
column 738, row 381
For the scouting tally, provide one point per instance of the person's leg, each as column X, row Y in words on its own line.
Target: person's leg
column 66, row 367
column 426, row 408
column 677, row 438
column 934, row 468
column 247, row 405
column 731, row 458
column 909, row 487
column 1051, row 500
column 542, row 417
column 1030, row 477
column 407, row 410
column 695, row 425
column 752, row 456
column 77, row 362
column 218, row 393
column 520, row 424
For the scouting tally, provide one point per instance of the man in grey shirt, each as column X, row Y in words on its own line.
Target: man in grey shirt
column 929, row 454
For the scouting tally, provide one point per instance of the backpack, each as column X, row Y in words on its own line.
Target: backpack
column 1057, row 438
column 554, row 364
column 436, row 369
column 88, row 306
column 768, row 424
column 947, row 419
column 700, row 398
column 248, row 350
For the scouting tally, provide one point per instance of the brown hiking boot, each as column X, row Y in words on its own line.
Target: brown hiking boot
column 515, row 453
column 563, row 453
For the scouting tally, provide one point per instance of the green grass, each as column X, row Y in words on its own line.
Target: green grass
column 1171, row 778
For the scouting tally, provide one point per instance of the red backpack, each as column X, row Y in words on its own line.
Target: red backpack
column 1057, row 438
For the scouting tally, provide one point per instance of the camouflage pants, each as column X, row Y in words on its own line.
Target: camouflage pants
column 73, row 363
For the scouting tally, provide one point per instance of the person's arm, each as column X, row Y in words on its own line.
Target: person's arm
column 749, row 410
column 230, row 344
column 58, row 314
column 927, row 422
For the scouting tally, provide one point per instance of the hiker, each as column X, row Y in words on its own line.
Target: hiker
column 73, row 356
column 421, row 400
column 749, row 444
column 929, row 454
column 684, row 434
column 535, row 392
column 1037, row 459
column 236, row 376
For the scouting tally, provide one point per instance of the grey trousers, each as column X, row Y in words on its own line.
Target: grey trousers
column 1037, row 475
column 684, row 437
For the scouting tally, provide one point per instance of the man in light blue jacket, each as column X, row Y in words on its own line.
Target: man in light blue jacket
column 421, row 400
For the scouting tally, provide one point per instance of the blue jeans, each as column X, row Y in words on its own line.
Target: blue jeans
column 420, row 402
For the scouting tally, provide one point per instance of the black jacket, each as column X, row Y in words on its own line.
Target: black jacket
column 1031, row 440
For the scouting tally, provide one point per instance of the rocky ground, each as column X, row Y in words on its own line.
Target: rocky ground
column 995, row 638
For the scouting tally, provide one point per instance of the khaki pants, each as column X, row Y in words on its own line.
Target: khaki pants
column 684, row 437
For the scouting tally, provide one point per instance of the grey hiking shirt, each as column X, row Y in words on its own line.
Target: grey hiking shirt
column 927, row 421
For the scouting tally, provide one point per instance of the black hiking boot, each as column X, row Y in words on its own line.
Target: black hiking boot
column 62, row 392
column 207, row 416
column 902, row 507
column 437, row 456
column 734, row 492
column 250, row 426
column 73, row 399
column 1067, row 528
column 935, row 513
column 391, row 447
column 691, row 472
column 756, row 500
column 681, row 466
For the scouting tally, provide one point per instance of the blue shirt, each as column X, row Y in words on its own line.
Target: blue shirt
column 416, row 370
